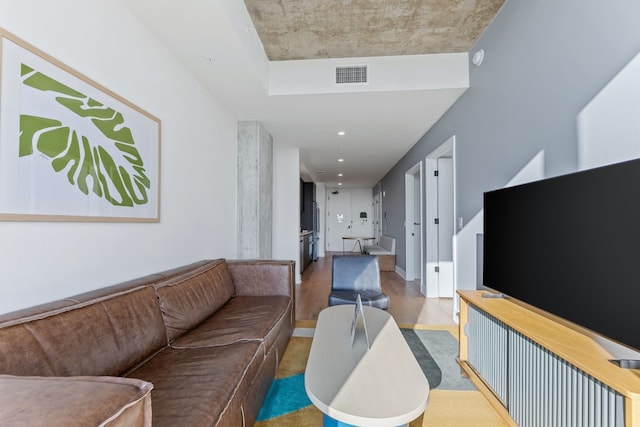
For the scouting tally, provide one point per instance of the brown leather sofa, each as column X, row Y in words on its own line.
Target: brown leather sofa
column 194, row 346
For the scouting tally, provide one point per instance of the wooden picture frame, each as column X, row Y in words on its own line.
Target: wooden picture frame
column 70, row 149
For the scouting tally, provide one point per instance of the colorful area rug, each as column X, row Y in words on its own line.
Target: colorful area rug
column 453, row 400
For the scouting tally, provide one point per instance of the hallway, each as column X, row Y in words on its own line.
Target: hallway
column 407, row 306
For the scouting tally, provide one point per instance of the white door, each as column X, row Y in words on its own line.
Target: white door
column 413, row 227
column 445, row 227
column 417, row 224
column 361, row 225
column 339, row 221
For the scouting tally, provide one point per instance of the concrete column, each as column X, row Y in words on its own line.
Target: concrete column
column 255, row 191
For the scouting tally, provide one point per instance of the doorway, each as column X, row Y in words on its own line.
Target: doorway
column 349, row 214
column 338, row 219
column 413, row 223
column 440, row 217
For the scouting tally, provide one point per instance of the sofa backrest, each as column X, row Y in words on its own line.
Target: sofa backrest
column 95, row 294
column 188, row 299
column 355, row 273
column 104, row 336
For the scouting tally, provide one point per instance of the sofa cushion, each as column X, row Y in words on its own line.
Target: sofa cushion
column 262, row 277
column 107, row 336
column 201, row 386
column 95, row 401
column 190, row 298
column 243, row 318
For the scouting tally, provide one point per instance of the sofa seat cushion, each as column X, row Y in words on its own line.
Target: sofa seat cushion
column 74, row 401
column 197, row 386
column 188, row 299
column 243, row 318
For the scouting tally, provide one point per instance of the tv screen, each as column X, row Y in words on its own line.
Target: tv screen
column 570, row 245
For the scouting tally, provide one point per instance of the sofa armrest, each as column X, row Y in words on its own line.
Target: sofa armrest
column 388, row 243
column 262, row 277
column 65, row 401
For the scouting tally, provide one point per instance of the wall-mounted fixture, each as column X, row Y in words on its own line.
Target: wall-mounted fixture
column 363, row 215
column 478, row 57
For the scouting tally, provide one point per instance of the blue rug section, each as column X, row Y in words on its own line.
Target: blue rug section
column 436, row 353
column 429, row 366
column 284, row 396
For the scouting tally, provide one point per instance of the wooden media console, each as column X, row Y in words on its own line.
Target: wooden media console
column 541, row 369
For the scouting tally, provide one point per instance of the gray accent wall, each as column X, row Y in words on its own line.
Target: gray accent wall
column 544, row 61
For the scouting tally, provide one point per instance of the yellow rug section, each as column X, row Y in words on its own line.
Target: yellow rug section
column 450, row 408
column 294, row 359
column 446, row 408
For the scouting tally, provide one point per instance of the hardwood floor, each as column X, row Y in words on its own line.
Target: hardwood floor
column 407, row 305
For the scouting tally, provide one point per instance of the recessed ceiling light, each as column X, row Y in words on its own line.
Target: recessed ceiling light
column 339, row 183
column 341, row 160
column 341, row 133
column 339, row 174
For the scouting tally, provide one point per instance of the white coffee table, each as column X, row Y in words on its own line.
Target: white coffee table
column 381, row 386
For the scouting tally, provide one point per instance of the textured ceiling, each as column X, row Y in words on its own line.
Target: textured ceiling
column 316, row 29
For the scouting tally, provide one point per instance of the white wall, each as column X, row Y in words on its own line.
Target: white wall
column 42, row 261
column 286, row 206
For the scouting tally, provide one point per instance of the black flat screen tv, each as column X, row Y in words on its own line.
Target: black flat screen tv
column 570, row 245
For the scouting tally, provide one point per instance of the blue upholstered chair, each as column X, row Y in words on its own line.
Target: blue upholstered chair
column 357, row 274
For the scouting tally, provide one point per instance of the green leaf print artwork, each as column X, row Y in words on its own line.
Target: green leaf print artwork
column 110, row 167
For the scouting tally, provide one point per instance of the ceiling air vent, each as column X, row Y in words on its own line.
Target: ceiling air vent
column 351, row 74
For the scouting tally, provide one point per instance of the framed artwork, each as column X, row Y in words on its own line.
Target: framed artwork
column 70, row 149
